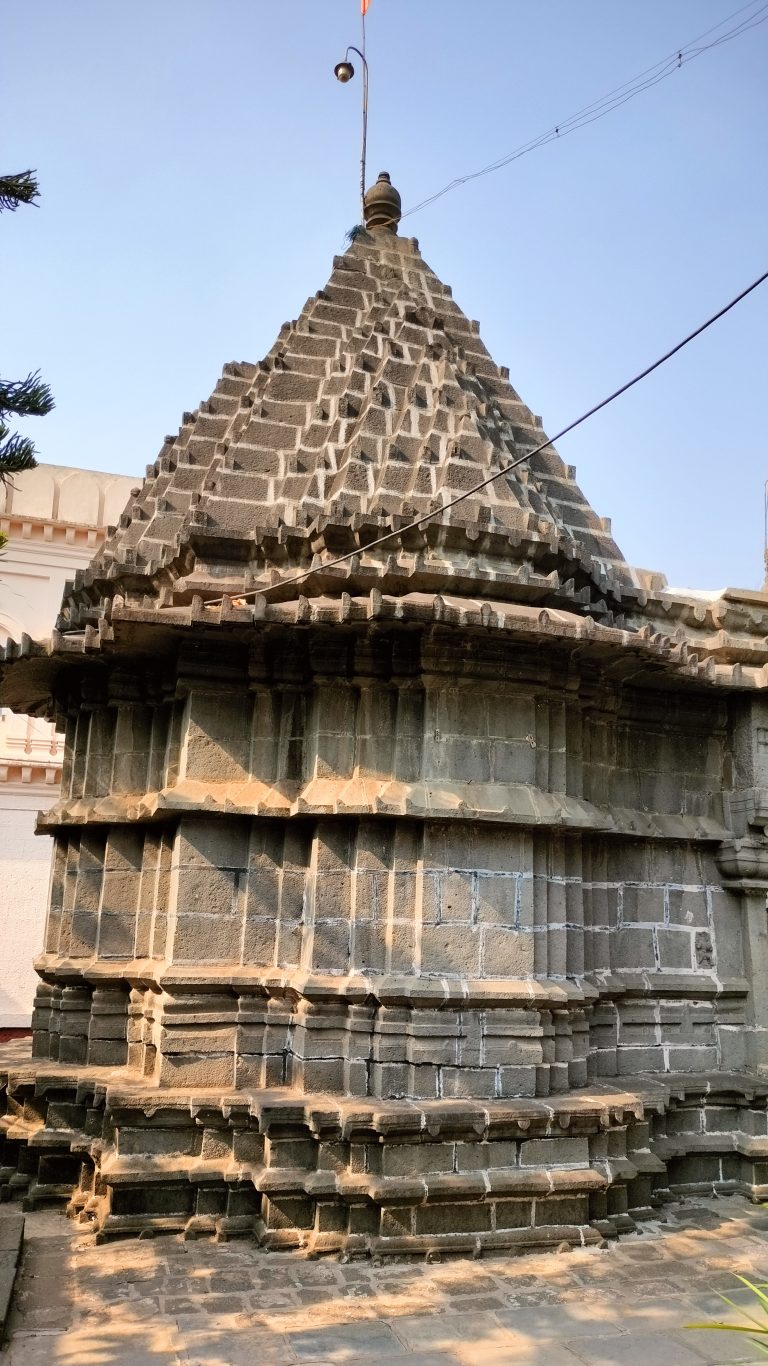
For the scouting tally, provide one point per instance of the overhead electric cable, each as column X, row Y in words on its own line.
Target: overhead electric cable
column 505, row 469
column 621, row 94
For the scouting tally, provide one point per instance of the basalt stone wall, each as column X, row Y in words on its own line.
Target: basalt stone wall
column 408, row 709
column 411, row 881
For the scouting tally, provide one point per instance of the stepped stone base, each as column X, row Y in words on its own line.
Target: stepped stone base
column 355, row 1176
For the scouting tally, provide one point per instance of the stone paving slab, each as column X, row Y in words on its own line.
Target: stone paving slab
column 164, row 1302
column 11, row 1240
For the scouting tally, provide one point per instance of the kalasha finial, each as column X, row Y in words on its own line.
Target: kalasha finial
column 382, row 204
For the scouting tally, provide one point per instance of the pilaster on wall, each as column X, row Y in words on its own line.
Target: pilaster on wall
column 744, row 859
column 744, row 863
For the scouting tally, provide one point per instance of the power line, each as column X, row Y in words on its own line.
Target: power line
column 615, row 98
column 505, row 469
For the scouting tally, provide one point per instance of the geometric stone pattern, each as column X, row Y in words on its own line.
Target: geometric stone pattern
column 418, row 905
column 170, row 1303
column 379, row 401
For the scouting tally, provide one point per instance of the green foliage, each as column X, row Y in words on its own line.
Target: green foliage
column 28, row 397
column 17, row 453
column 759, row 1330
column 21, row 188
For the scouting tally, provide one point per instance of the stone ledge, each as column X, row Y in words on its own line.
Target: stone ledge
column 510, row 804
column 606, row 1103
column 643, row 984
column 432, row 993
column 736, row 662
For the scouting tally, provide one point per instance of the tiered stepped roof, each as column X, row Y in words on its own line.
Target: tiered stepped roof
column 379, row 404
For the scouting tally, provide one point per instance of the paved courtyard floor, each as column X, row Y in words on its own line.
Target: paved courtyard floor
column 168, row 1302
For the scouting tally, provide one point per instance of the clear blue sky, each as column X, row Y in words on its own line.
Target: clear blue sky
column 198, row 168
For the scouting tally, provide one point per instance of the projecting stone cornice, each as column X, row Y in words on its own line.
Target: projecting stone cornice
column 643, row 656
column 517, row 804
column 262, row 983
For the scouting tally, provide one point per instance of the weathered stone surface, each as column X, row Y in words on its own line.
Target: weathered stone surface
column 412, row 901
column 140, row 1301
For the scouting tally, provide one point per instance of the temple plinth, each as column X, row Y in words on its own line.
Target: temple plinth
column 406, row 895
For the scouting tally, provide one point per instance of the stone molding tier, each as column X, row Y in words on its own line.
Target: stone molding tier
column 510, row 804
column 339, row 1175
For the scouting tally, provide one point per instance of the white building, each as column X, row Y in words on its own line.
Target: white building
column 54, row 518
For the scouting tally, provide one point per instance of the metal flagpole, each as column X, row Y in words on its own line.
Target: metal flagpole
column 344, row 71
column 363, row 8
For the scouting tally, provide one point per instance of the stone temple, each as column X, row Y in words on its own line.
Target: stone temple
column 407, row 896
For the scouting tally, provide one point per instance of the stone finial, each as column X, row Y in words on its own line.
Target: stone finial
column 382, row 204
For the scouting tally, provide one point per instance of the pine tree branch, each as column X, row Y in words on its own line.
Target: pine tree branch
column 18, row 189
column 17, row 454
column 28, row 397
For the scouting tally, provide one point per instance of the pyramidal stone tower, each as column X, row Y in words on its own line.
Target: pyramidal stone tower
column 409, row 893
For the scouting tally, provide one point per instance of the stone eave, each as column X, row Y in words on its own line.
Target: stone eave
column 536, row 564
column 513, row 804
column 641, row 657
column 29, row 674
column 628, row 651
column 732, row 625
